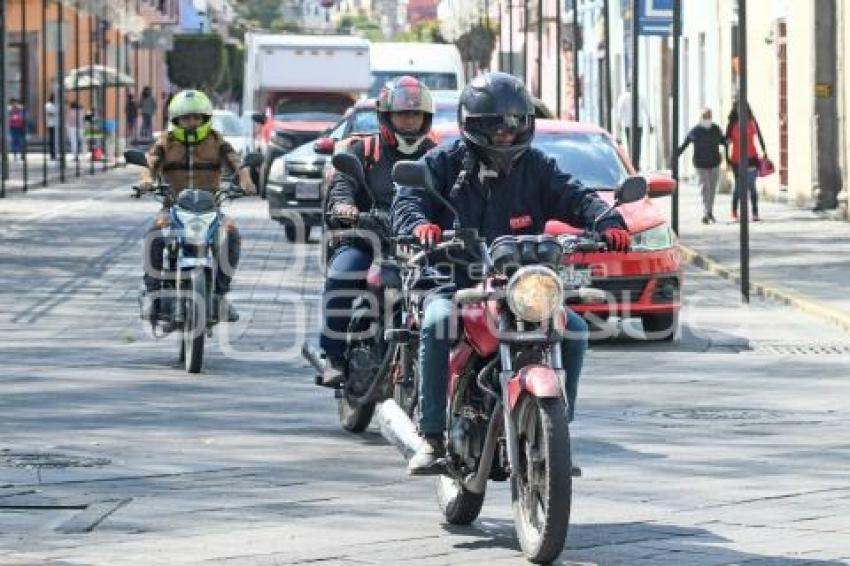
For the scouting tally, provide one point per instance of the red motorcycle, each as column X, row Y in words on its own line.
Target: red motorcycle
column 507, row 402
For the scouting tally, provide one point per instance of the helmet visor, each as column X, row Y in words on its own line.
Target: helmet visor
column 491, row 125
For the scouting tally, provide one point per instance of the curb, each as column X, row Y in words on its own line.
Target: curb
column 769, row 291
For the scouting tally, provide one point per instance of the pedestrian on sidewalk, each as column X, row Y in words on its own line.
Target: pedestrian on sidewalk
column 131, row 114
column 147, row 107
column 707, row 138
column 733, row 142
column 51, row 118
column 17, row 128
column 74, row 126
column 624, row 121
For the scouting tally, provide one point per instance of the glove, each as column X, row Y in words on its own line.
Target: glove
column 246, row 183
column 618, row 239
column 428, row 233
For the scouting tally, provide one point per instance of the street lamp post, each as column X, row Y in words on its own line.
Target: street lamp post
column 559, row 52
column 606, row 9
column 4, row 155
column 576, row 77
column 743, row 159
column 47, row 140
column 540, row 49
column 60, row 80
column 24, row 61
column 634, row 139
column 677, row 31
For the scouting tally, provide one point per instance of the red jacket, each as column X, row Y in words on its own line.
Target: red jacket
column 734, row 139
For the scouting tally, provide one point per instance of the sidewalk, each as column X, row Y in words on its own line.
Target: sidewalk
column 35, row 170
column 795, row 255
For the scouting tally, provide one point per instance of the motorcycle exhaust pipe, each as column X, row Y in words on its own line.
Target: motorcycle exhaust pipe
column 397, row 428
column 313, row 357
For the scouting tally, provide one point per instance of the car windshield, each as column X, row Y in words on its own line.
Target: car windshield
column 434, row 81
column 589, row 156
column 227, row 124
column 445, row 113
column 364, row 121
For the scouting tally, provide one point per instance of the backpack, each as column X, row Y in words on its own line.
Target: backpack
column 16, row 118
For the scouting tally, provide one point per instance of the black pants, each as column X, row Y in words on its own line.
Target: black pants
column 51, row 141
column 228, row 262
column 636, row 156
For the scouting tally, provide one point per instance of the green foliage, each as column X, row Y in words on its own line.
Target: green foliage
column 362, row 26
column 197, row 61
column 236, row 69
column 426, row 31
column 266, row 14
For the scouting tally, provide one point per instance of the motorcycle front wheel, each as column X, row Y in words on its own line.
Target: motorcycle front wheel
column 459, row 505
column 541, row 485
column 195, row 325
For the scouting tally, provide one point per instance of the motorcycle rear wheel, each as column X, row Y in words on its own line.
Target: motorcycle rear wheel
column 541, row 485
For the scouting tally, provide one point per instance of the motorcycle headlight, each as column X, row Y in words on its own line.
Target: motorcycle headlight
column 195, row 226
column 277, row 172
column 653, row 240
column 535, row 293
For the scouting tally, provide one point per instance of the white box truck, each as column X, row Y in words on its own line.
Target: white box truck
column 438, row 65
column 302, row 84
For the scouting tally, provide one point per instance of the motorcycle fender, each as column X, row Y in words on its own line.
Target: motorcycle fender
column 537, row 380
column 190, row 262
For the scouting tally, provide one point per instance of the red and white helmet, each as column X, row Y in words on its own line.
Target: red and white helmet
column 404, row 94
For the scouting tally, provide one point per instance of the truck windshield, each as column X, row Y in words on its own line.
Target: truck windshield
column 434, row 81
column 311, row 109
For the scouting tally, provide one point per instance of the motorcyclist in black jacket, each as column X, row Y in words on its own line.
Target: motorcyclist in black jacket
column 405, row 111
column 509, row 188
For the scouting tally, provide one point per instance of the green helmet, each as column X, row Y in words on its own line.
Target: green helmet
column 190, row 102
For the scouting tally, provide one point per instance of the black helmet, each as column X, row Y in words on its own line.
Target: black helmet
column 495, row 103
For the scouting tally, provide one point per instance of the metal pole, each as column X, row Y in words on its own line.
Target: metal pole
column 24, row 85
column 677, row 32
column 60, row 79
column 609, row 101
column 76, row 116
column 525, row 42
column 44, row 91
column 743, row 159
column 511, row 36
column 559, row 52
column 540, row 49
column 501, row 37
column 117, row 130
column 576, row 78
column 4, row 156
column 101, row 59
column 634, row 141
column 92, row 38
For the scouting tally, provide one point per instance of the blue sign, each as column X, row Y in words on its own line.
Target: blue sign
column 656, row 17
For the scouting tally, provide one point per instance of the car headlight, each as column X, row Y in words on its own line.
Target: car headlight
column 653, row 240
column 535, row 293
column 277, row 172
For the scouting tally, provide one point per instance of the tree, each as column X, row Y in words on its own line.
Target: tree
column 477, row 45
column 196, row 61
column 266, row 14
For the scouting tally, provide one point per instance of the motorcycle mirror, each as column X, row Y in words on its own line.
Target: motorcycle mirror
column 349, row 164
column 136, row 157
column 253, row 159
column 416, row 175
column 632, row 189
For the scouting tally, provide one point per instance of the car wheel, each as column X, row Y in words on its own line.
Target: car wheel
column 661, row 326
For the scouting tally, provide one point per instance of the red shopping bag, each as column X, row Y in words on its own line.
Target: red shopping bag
column 766, row 167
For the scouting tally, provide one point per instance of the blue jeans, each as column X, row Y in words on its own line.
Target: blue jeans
column 752, row 174
column 438, row 327
column 346, row 280
column 17, row 139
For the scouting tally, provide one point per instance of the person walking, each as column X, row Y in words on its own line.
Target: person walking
column 734, row 143
column 707, row 138
column 624, row 121
column 147, row 107
column 131, row 114
column 51, row 118
column 17, row 128
column 73, row 126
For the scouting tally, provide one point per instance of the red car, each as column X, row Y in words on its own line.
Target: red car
column 644, row 282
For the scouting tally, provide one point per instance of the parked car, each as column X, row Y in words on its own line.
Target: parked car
column 645, row 282
column 294, row 185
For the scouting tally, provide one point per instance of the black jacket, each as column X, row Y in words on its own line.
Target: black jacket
column 535, row 191
column 344, row 189
column 707, row 142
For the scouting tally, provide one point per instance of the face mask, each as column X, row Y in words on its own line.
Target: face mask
column 705, row 124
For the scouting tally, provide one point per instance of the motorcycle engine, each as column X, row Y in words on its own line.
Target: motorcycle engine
column 466, row 437
column 362, row 368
